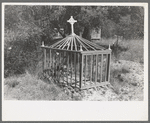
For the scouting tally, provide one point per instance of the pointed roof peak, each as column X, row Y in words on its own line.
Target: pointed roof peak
column 74, row 42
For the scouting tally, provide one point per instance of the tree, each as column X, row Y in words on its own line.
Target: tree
column 129, row 20
column 27, row 26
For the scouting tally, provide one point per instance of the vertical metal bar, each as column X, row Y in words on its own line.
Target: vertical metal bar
column 96, row 67
column 55, row 65
column 67, row 66
column 81, row 70
column 48, row 62
column 50, row 58
column 63, row 65
column 78, row 55
column 106, row 66
column 91, row 69
column 85, row 69
column 65, row 70
column 101, row 66
column 58, row 67
column 44, row 58
column 71, row 66
column 109, row 67
column 75, row 68
column 52, row 63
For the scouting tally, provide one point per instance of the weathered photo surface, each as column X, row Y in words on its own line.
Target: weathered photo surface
column 74, row 52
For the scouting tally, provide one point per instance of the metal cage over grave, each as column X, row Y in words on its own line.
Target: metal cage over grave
column 77, row 62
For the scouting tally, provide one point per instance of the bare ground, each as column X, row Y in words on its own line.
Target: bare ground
column 125, row 85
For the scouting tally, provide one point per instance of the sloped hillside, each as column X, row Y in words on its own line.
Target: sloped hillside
column 126, row 84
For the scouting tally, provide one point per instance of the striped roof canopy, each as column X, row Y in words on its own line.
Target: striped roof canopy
column 75, row 42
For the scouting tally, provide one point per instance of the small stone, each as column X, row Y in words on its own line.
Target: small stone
column 134, row 84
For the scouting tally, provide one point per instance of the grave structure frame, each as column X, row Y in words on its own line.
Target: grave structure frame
column 77, row 62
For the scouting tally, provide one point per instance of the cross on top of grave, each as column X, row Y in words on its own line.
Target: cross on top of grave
column 72, row 21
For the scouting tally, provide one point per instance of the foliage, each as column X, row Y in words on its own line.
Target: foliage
column 27, row 26
column 130, row 50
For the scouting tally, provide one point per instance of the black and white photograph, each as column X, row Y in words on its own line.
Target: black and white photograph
column 75, row 52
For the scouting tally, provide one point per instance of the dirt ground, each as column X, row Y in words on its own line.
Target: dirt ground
column 127, row 85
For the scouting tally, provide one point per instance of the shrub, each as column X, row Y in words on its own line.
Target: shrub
column 21, row 50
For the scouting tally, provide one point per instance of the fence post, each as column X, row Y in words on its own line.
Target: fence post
column 81, row 69
column 108, row 68
column 44, row 61
column 101, row 68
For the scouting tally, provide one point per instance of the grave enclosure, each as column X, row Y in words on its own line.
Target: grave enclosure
column 76, row 62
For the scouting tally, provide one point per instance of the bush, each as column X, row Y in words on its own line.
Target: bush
column 21, row 50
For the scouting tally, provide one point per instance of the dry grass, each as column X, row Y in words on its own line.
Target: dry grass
column 126, row 83
column 134, row 52
column 127, row 75
column 28, row 87
column 127, row 80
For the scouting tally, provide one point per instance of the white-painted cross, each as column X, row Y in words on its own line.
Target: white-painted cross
column 72, row 21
